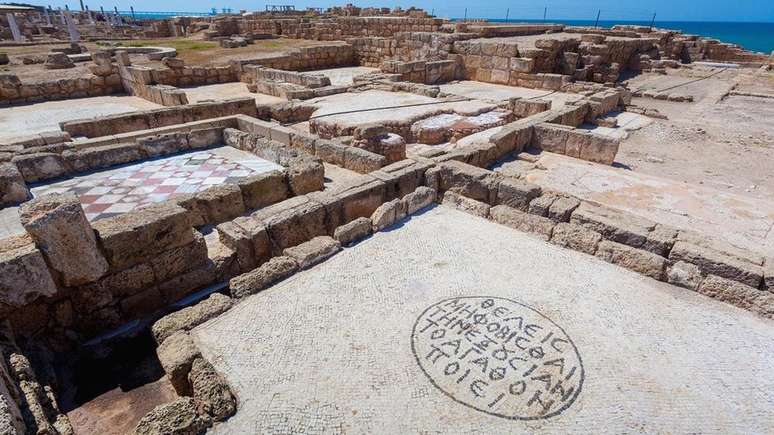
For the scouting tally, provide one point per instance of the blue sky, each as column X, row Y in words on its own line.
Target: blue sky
column 666, row 10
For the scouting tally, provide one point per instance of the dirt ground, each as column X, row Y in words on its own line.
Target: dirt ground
column 193, row 51
column 196, row 51
column 721, row 142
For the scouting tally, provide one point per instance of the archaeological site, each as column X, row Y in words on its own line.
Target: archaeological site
column 374, row 220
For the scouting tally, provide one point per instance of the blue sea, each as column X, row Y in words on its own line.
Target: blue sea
column 752, row 36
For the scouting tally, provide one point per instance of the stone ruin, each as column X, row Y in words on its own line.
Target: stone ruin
column 67, row 281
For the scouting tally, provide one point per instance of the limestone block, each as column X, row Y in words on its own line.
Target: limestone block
column 712, row 262
column 725, row 248
column 314, row 251
column 274, row 270
column 211, row 393
column 552, row 138
column 293, row 221
column 190, row 317
column 128, row 281
column 352, row 232
column 739, row 295
column 513, row 137
column 385, row 214
column 561, row 209
column 24, row 275
column 361, row 197
column 180, row 259
column 684, row 275
column 163, row 144
column 40, row 166
column 263, row 189
column 576, row 237
column 101, row 157
column 330, row 152
column 542, row 204
column 247, row 237
column 519, row 220
column 614, row 225
column 180, row 286
column 137, row 236
column 463, row 203
column 660, row 240
column 636, row 260
column 178, row 417
column 58, row 60
column 334, row 210
column 517, row 193
column 362, row 161
column 216, row 204
column 205, row 137
column 475, row 183
column 402, row 178
column 58, row 225
column 305, row 175
column 176, row 355
column 420, row 198
column 13, row 189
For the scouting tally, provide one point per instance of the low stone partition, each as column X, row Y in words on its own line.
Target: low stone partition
column 305, row 173
column 679, row 257
column 164, row 95
column 257, row 73
column 67, row 159
column 14, row 91
column 148, row 119
column 581, row 144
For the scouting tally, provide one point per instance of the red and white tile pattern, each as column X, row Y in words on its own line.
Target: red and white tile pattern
column 108, row 193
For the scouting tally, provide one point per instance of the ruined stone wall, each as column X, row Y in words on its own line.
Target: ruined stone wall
column 159, row 84
column 336, row 28
column 14, row 91
column 304, row 59
column 69, row 279
column 147, row 119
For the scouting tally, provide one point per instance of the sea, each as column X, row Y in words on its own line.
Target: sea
column 752, row 36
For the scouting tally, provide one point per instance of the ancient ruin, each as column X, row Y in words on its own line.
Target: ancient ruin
column 374, row 220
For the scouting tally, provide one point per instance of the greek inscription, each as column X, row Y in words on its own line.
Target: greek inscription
column 498, row 356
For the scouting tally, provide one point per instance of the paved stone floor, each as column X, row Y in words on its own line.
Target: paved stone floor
column 355, row 109
column 744, row 221
column 448, row 323
column 24, row 120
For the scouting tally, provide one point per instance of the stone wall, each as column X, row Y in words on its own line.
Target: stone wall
column 331, row 29
column 159, row 85
column 147, row 119
column 104, row 80
column 37, row 164
column 303, row 59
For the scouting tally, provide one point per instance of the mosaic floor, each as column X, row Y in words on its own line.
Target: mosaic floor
column 109, row 193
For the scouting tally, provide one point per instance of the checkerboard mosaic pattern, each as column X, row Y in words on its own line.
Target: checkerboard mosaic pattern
column 117, row 191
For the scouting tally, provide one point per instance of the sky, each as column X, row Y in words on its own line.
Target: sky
column 665, row 10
